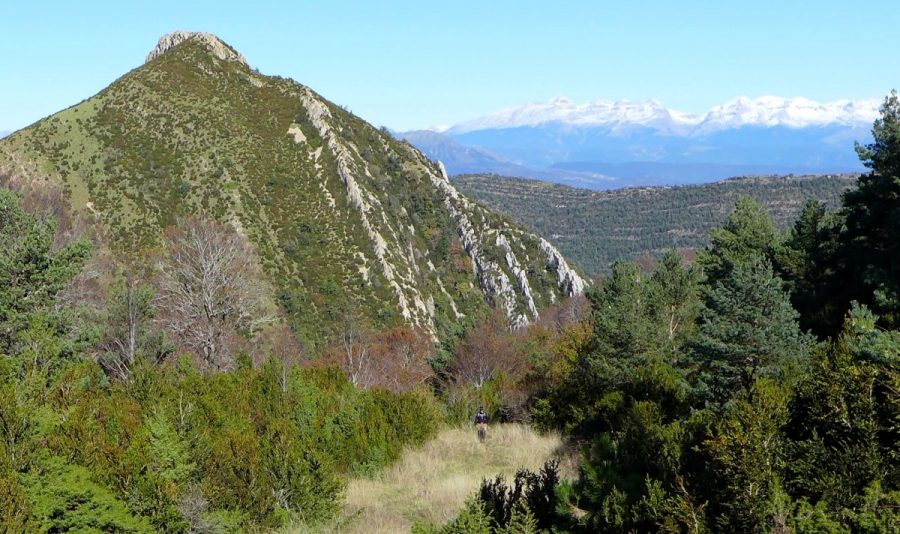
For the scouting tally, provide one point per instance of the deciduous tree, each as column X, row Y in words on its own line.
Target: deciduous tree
column 210, row 290
column 486, row 351
column 128, row 336
column 354, row 354
column 400, row 357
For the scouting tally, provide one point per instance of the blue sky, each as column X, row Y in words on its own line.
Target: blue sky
column 412, row 64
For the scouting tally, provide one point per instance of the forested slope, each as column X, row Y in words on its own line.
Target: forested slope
column 595, row 228
column 754, row 390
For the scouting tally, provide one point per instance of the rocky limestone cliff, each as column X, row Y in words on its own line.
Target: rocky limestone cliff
column 492, row 279
column 213, row 43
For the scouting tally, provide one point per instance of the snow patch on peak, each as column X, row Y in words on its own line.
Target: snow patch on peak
column 741, row 111
column 794, row 112
column 564, row 110
column 215, row 45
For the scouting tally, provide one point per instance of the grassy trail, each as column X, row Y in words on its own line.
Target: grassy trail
column 431, row 483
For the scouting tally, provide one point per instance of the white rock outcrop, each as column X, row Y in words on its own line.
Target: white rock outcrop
column 215, row 45
column 569, row 281
column 295, row 132
column 492, row 279
column 391, row 256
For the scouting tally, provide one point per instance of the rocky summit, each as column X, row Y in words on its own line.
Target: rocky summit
column 215, row 45
column 343, row 215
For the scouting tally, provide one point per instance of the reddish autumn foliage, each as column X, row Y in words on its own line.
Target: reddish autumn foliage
column 486, row 351
column 400, row 358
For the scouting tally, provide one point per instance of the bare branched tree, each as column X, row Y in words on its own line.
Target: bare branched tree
column 487, row 350
column 571, row 310
column 211, row 291
column 400, row 358
column 130, row 311
column 354, row 351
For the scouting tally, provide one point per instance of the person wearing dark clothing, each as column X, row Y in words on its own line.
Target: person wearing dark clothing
column 481, row 417
column 481, row 420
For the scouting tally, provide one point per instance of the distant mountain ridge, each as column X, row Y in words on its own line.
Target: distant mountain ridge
column 345, row 218
column 741, row 111
column 605, row 144
column 464, row 159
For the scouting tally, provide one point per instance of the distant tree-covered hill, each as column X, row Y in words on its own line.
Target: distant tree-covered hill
column 596, row 228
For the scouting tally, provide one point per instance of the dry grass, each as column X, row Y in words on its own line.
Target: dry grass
column 431, row 483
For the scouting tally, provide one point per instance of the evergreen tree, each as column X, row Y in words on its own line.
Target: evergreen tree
column 623, row 316
column 746, row 460
column 804, row 263
column 845, row 416
column 868, row 262
column 635, row 349
column 675, row 299
column 749, row 329
column 31, row 271
column 748, row 232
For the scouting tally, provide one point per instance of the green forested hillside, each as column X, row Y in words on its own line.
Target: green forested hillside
column 595, row 228
column 345, row 219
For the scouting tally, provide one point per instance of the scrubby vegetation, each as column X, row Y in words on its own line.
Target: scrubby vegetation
column 756, row 390
column 191, row 135
column 154, row 376
column 152, row 443
column 598, row 228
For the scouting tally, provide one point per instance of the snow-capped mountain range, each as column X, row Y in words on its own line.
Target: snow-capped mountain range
column 741, row 111
column 604, row 143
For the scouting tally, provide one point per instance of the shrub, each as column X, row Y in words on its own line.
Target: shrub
column 532, row 494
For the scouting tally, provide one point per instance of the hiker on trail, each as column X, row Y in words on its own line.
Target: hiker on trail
column 481, row 420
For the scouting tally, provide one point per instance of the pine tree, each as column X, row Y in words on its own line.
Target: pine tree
column 749, row 329
column 623, row 315
column 870, row 246
column 804, row 263
column 675, row 298
column 31, row 271
column 748, row 232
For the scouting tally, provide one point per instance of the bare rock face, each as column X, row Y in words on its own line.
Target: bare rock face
column 216, row 46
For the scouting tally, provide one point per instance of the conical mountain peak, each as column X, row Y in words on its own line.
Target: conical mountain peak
column 345, row 218
column 215, row 45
